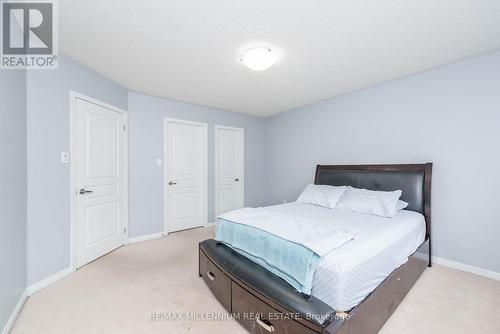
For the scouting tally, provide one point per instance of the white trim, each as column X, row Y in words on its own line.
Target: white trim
column 461, row 266
column 72, row 191
column 467, row 268
column 15, row 313
column 145, row 237
column 166, row 120
column 125, row 177
column 49, row 280
column 216, row 158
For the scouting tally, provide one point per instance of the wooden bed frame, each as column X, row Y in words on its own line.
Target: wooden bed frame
column 240, row 297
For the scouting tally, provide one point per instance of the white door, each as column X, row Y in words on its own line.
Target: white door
column 99, row 159
column 229, row 169
column 185, row 175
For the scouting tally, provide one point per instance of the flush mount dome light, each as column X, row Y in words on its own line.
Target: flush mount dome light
column 258, row 59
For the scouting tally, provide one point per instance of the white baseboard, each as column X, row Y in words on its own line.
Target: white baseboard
column 461, row 266
column 49, row 280
column 145, row 237
column 15, row 313
column 467, row 268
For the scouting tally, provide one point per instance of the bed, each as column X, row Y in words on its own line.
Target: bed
column 355, row 287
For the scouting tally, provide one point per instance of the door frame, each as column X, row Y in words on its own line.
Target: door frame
column 73, row 170
column 204, row 154
column 216, row 158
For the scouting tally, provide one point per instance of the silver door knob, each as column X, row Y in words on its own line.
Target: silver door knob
column 236, row 179
column 83, row 191
column 171, row 183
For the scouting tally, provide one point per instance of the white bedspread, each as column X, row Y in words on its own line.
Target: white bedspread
column 349, row 273
column 317, row 235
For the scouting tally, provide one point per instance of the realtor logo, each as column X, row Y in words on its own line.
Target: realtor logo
column 29, row 34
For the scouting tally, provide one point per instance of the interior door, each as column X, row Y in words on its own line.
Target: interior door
column 99, row 151
column 229, row 169
column 186, row 175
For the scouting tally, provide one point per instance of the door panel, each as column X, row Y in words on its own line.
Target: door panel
column 186, row 205
column 97, row 216
column 228, row 199
column 103, row 149
column 185, row 152
column 229, row 169
column 100, row 139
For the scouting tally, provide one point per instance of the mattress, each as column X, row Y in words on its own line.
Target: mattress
column 347, row 275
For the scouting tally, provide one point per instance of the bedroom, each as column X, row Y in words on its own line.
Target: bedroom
column 390, row 85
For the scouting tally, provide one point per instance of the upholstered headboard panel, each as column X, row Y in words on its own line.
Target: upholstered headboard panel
column 414, row 180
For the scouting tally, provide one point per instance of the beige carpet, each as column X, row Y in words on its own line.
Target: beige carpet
column 118, row 293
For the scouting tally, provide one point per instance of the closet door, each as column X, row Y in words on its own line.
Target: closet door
column 229, row 168
column 185, row 175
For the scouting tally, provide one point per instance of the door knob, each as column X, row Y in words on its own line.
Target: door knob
column 83, row 191
column 236, row 179
column 171, row 183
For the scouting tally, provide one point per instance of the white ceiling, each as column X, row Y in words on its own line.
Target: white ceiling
column 189, row 50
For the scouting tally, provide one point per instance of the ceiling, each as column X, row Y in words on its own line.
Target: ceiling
column 189, row 50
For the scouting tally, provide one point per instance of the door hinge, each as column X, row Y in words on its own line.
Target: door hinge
column 124, row 230
column 124, row 127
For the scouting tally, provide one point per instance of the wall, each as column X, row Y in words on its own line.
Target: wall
column 48, row 109
column 146, row 115
column 449, row 116
column 13, row 190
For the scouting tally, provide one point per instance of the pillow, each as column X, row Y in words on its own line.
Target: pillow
column 321, row 195
column 378, row 203
column 401, row 205
column 333, row 194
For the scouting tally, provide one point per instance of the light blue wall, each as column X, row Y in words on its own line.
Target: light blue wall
column 146, row 114
column 48, row 94
column 12, row 190
column 49, row 180
column 449, row 116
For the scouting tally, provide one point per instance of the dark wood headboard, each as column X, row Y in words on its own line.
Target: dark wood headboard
column 414, row 180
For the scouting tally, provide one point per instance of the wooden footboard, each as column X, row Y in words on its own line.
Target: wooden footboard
column 259, row 313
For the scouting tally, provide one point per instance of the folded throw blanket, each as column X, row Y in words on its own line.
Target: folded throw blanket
column 286, row 245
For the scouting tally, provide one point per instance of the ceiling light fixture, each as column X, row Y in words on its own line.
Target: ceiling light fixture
column 258, row 58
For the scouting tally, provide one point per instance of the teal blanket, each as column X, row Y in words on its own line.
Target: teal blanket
column 292, row 262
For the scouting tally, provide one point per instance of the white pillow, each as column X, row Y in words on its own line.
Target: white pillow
column 401, row 205
column 333, row 194
column 321, row 195
column 378, row 203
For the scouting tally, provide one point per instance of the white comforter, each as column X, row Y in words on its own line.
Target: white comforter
column 316, row 235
